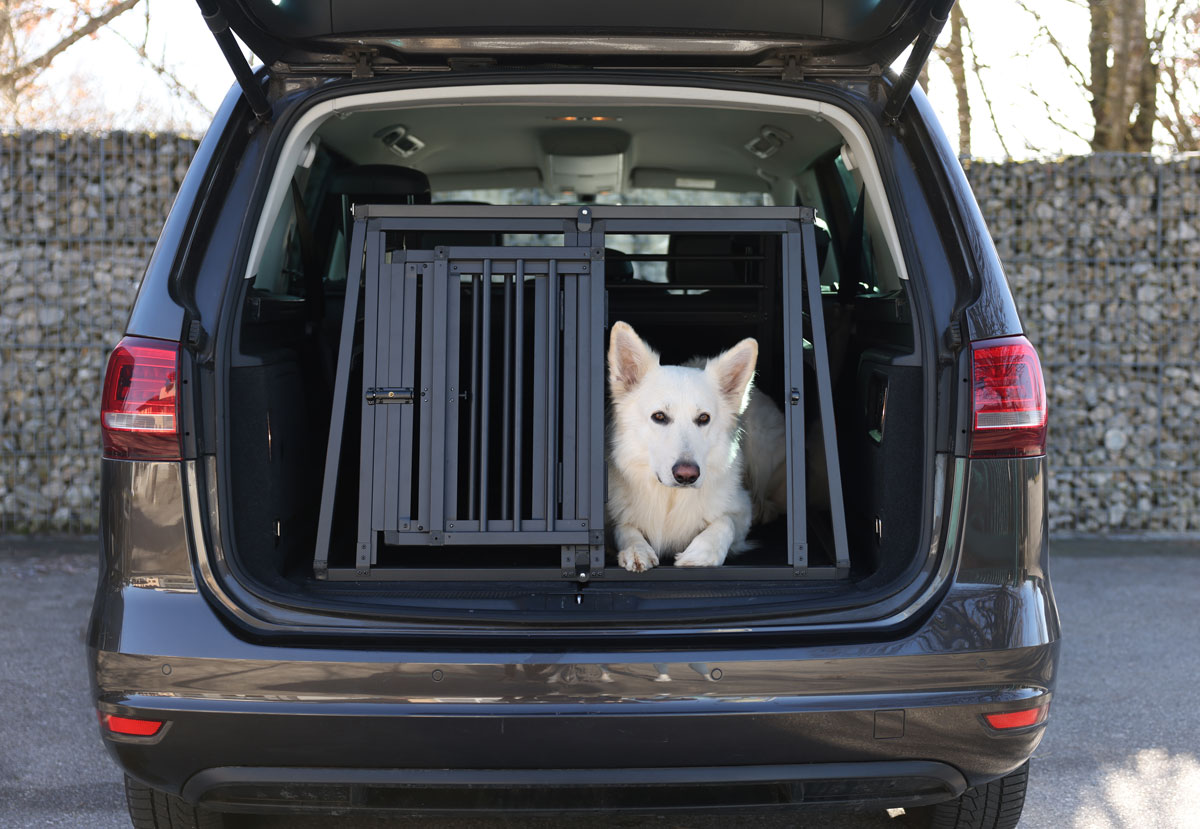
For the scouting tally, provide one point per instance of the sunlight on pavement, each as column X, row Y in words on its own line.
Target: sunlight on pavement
column 1152, row 789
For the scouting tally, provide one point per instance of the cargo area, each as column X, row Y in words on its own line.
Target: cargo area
column 418, row 379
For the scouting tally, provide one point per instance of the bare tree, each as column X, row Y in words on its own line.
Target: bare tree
column 33, row 34
column 1179, row 77
column 952, row 54
column 1123, row 80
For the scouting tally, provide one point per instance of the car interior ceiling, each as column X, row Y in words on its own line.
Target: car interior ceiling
column 409, row 157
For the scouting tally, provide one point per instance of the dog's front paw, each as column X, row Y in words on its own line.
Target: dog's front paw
column 700, row 554
column 638, row 558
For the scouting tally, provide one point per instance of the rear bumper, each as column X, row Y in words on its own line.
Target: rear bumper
column 584, row 750
column 455, row 791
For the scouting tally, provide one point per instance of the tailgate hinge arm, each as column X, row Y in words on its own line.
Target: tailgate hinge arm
column 922, row 46
column 251, row 89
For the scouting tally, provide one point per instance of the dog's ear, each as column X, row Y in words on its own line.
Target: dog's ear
column 733, row 371
column 629, row 358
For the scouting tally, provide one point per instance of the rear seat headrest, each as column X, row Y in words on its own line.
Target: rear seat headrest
column 382, row 184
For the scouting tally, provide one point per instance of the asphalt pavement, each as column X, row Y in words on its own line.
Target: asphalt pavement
column 1122, row 749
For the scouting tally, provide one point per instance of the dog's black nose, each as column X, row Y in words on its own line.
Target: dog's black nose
column 685, row 473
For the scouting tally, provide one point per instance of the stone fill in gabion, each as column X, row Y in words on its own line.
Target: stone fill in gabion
column 79, row 215
column 1102, row 253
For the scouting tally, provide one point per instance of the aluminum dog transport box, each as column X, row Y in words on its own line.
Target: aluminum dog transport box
column 483, row 385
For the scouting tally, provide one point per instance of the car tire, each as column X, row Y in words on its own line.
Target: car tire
column 995, row 805
column 152, row 809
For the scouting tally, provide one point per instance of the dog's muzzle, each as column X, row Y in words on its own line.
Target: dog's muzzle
column 685, row 473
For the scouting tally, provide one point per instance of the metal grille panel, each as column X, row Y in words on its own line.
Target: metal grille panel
column 465, row 436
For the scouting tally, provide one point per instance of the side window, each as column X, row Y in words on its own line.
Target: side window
column 810, row 195
column 856, row 254
column 859, row 253
column 280, row 258
column 281, row 271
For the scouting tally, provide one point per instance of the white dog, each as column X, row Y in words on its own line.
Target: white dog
column 676, row 483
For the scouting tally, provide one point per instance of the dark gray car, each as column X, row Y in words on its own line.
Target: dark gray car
column 355, row 550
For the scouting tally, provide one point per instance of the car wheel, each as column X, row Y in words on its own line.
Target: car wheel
column 152, row 809
column 995, row 805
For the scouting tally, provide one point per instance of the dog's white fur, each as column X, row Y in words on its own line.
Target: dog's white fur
column 651, row 513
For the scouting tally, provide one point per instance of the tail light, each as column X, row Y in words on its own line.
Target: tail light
column 1008, row 399
column 129, row 726
column 1017, row 719
column 138, row 414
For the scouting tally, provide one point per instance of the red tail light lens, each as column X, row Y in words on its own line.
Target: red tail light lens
column 1017, row 719
column 132, row 727
column 1008, row 400
column 138, row 415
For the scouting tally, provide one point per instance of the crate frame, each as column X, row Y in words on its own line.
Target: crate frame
column 385, row 280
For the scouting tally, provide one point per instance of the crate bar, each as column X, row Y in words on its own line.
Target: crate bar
column 683, row 286
column 393, row 574
column 452, row 387
column 793, row 406
column 364, row 551
column 518, row 386
column 473, row 435
column 541, row 403
column 697, row 225
column 769, row 299
column 341, row 386
column 723, row 574
column 485, row 391
column 424, row 400
column 570, row 404
column 376, row 419
column 435, row 390
column 659, row 224
column 491, row 538
column 825, row 396
column 520, row 218
column 571, row 259
column 593, row 354
column 689, row 257
column 726, row 575
column 505, row 427
column 553, row 409
column 407, row 415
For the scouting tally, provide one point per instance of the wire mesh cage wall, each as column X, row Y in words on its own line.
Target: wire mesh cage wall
column 79, row 215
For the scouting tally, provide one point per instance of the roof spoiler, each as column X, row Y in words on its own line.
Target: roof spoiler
column 922, row 46
column 251, row 89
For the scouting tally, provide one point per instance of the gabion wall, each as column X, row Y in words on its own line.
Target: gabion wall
column 1103, row 254
column 78, row 218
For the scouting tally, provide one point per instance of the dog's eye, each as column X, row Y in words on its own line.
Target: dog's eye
column 660, row 417
column 703, row 419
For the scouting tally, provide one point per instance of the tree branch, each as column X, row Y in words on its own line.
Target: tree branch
column 977, row 67
column 1044, row 30
column 1179, row 128
column 172, row 80
column 1050, row 116
column 89, row 27
column 1164, row 19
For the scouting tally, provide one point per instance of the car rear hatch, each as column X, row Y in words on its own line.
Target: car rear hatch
column 297, row 40
column 324, row 38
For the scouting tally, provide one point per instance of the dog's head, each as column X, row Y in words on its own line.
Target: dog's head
column 674, row 422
